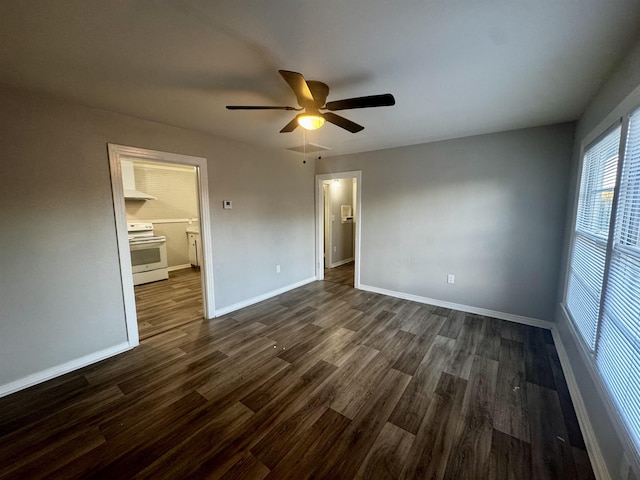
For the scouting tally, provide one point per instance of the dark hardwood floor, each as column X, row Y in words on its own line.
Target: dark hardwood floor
column 321, row 382
column 167, row 304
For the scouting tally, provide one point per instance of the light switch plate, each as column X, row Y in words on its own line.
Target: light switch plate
column 226, row 204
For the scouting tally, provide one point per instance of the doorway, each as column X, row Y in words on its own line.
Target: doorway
column 168, row 294
column 118, row 154
column 338, row 226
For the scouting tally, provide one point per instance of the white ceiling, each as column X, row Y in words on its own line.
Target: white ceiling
column 456, row 68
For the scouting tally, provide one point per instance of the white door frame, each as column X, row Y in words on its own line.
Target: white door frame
column 115, row 153
column 328, row 235
column 320, row 221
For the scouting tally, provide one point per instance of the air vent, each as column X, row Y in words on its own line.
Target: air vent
column 309, row 148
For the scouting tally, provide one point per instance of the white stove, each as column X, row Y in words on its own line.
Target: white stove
column 142, row 231
column 148, row 253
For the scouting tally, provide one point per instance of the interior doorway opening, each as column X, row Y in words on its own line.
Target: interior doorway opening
column 200, row 281
column 163, row 223
column 338, row 227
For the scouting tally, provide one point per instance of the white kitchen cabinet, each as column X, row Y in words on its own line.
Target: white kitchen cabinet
column 195, row 249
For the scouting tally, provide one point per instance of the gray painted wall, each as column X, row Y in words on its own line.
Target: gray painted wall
column 489, row 209
column 60, row 289
column 609, row 104
column 342, row 233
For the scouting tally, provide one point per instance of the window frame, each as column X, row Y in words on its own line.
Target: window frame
column 622, row 123
column 622, row 120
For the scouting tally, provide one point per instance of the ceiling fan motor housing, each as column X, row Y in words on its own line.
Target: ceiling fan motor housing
column 320, row 91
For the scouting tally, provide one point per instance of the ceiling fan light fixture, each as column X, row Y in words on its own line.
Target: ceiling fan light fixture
column 310, row 121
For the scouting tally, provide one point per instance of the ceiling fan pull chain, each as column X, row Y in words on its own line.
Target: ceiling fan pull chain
column 304, row 145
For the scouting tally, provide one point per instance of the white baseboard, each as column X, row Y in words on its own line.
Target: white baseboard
column 534, row 322
column 593, row 447
column 179, row 267
column 265, row 296
column 342, row 262
column 53, row 372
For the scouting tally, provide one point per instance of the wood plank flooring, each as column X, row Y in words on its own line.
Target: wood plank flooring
column 321, row 382
column 342, row 274
column 167, row 304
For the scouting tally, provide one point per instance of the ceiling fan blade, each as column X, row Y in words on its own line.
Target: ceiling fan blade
column 299, row 86
column 384, row 100
column 342, row 122
column 256, row 107
column 291, row 126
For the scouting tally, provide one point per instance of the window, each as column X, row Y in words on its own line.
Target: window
column 603, row 293
column 599, row 169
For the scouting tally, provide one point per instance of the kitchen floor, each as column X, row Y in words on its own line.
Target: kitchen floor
column 169, row 304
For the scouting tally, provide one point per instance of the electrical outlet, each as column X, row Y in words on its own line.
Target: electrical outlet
column 451, row 279
column 335, row 249
column 277, row 268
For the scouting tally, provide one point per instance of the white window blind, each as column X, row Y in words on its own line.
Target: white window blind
column 618, row 348
column 599, row 169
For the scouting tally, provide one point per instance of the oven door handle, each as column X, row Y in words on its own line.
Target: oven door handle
column 146, row 246
column 147, row 242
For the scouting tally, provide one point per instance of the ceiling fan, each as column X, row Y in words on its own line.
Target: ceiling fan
column 312, row 98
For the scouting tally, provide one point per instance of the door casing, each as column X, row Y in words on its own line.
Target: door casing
column 116, row 152
column 320, row 179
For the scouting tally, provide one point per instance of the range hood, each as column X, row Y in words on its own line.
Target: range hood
column 129, row 183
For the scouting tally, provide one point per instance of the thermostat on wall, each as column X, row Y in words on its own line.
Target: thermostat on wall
column 226, row 204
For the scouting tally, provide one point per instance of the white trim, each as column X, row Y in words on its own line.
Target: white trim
column 320, row 178
column 604, row 395
column 126, row 272
column 115, row 154
column 590, row 439
column 206, row 266
column 327, row 225
column 184, row 266
column 58, row 370
column 534, row 322
column 260, row 298
column 342, row 262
